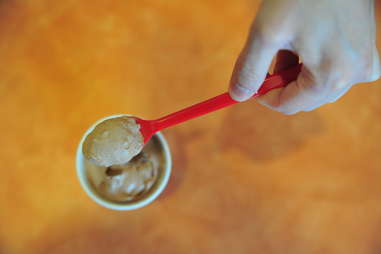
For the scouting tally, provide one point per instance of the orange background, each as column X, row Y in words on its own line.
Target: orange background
column 245, row 179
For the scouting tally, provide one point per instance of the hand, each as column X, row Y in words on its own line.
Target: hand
column 334, row 39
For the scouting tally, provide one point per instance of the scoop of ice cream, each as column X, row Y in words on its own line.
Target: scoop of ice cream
column 130, row 181
column 126, row 182
column 114, row 141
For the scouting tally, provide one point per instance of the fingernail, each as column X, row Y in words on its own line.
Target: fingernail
column 240, row 93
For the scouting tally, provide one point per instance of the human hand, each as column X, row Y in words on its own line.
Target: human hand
column 334, row 39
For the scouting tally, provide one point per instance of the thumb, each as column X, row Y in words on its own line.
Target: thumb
column 250, row 69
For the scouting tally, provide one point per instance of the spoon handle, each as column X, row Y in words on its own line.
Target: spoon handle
column 273, row 81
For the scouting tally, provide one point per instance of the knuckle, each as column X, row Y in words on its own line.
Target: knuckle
column 244, row 87
column 248, row 78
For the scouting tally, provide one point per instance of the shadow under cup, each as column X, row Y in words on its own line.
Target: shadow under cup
column 144, row 199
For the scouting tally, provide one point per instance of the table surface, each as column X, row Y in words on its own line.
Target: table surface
column 308, row 183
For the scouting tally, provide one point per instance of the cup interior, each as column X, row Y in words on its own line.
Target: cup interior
column 146, row 198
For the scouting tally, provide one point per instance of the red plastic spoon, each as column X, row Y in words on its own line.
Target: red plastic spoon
column 150, row 127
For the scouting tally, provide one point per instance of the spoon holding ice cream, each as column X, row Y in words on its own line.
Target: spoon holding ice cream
column 118, row 140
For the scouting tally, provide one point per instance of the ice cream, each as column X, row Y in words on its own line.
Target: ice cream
column 117, row 165
column 114, row 141
column 129, row 181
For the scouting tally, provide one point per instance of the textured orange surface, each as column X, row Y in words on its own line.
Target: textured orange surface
column 309, row 183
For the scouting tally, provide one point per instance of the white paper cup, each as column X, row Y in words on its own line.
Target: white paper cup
column 147, row 198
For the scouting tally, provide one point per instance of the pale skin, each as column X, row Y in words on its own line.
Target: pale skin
column 334, row 39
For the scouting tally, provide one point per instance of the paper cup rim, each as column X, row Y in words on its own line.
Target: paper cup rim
column 115, row 205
